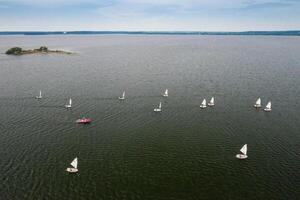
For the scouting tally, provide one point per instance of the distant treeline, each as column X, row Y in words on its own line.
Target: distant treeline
column 274, row 33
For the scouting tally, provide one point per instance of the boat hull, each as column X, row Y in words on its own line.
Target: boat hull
column 267, row 109
column 210, row 104
column 121, row 98
column 257, row 106
column 71, row 170
column 202, row 106
column 241, row 156
column 84, row 121
column 165, row 95
column 157, row 110
column 68, row 106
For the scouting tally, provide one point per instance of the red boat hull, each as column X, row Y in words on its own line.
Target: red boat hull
column 84, row 121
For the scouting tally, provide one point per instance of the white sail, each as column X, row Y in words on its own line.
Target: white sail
column 258, row 103
column 212, row 101
column 166, row 93
column 203, row 102
column 244, row 149
column 40, row 95
column 123, row 96
column 159, row 106
column 70, row 102
column 268, row 106
column 74, row 163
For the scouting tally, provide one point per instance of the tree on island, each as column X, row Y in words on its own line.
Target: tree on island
column 43, row 48
column 14, row 50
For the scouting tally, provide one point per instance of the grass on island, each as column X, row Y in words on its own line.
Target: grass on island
column 42, row 49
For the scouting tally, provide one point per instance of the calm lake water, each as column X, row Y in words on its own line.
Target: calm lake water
column 130, row 152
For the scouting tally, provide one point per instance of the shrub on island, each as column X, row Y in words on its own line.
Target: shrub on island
column 14, row 50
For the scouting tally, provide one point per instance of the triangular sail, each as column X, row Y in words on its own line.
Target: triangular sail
column 74, row 163
column 166, row 92
column 159, row 105
column 268, row 106
column 244, row 149
column 40, row 93
column 123, row 95
column 258, row 102
column 203, row 102
column 212, row 101
column 70, row 102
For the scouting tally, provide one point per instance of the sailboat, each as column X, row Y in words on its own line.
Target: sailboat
column 70, row 104
column 212, row 102
column 203, row 104
column 40, row 96
column 74, row 168
column 123, row 96
column 257, row 103
column 243, row 155
column 84, row 120
column 166, row 94
column 158, row 109
column 268, row 107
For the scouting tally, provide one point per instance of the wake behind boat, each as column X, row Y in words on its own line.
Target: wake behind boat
column 243, row 155
column 74, row 168
column 84, row 120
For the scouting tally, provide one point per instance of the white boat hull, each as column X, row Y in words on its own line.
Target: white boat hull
column 72, row 170
column 68, row 106
column 121, row 98
column 257, row 106
column 157, row 110
column 210, row 104
column 165, row 95
column 202, row 106
column 241, row 156
column 37, row 97
column 267, row 109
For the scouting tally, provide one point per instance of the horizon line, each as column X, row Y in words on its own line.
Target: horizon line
column 257, row 32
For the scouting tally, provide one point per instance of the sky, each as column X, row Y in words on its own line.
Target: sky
column 149, row 15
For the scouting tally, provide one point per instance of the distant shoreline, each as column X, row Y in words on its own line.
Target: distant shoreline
column 263, row 33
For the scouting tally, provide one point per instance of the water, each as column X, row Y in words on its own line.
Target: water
column 130, row 152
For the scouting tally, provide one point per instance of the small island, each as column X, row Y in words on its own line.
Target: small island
column 41, row 50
